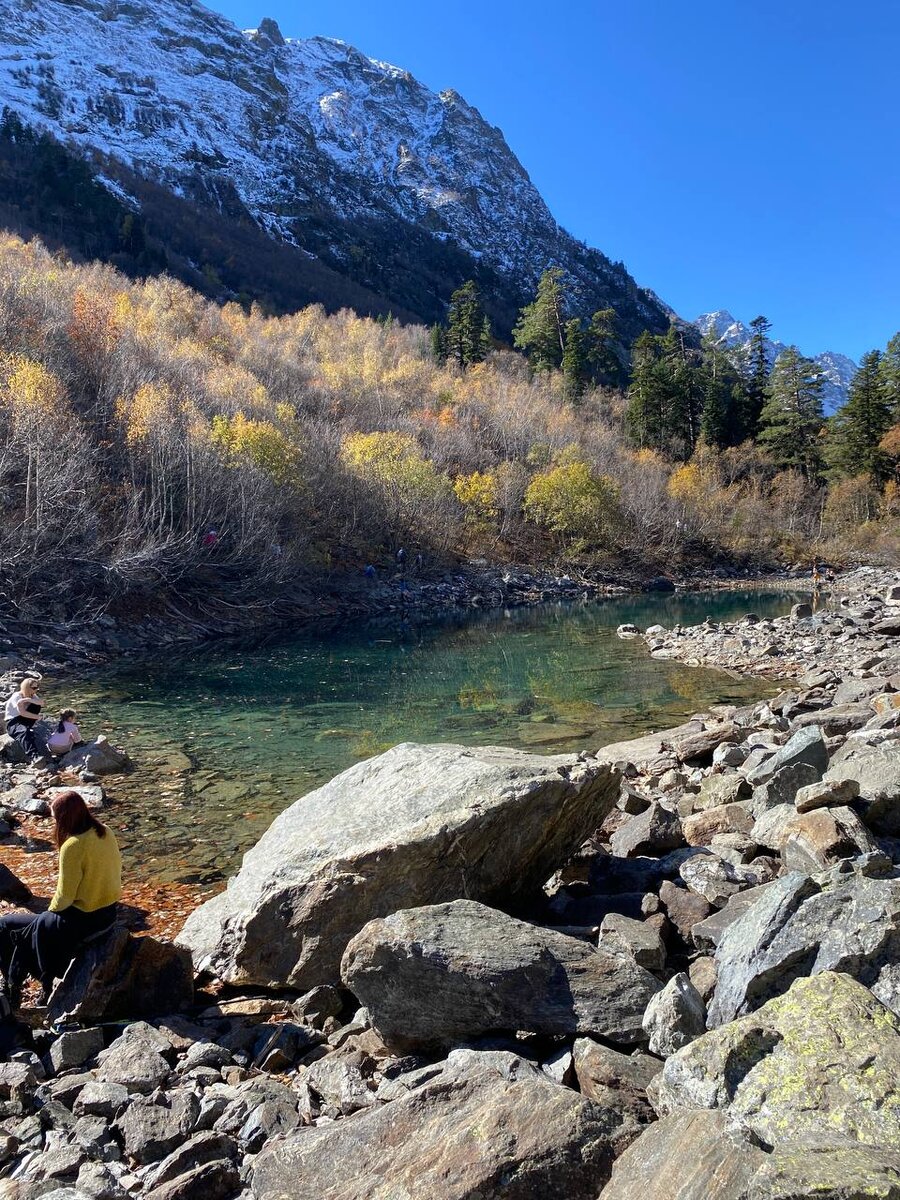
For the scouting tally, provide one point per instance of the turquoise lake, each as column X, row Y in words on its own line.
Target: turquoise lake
column 226, row 736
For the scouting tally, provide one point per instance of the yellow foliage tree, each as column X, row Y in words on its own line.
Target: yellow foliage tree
column 477, row 493
column 572, row 501
column 266, row 446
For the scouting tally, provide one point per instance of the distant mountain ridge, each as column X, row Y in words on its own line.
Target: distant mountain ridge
column 352, row 161
column 732, row 334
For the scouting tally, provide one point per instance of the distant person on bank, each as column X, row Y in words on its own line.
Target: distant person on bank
column 84, row 905
column 23, row 711
column 66, row 736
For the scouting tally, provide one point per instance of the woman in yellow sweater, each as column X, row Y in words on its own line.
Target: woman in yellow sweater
column 84, row 905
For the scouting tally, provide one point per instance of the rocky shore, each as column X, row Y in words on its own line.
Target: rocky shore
column 665, row 970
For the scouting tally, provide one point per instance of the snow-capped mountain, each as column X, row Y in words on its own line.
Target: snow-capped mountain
column 309, row 137
column 732, row 334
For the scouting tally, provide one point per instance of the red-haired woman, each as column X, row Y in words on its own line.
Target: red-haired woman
column 83, row 906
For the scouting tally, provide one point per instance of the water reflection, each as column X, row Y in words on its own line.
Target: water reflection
column 226, row 736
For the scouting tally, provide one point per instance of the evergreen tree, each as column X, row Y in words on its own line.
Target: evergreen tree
column 438, row 343
column 757, row 385
column 889, row 369
column 649, row 394
column 607, row 369
column 466, row 325
column 540, row 330
column 723, row 398
column 860, row 424
column 575, row 365
column 791, row 421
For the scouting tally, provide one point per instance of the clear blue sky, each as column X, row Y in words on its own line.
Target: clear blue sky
column 733, row 155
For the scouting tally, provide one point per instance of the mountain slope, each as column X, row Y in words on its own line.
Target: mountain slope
column 350, row 160
column 732, row 334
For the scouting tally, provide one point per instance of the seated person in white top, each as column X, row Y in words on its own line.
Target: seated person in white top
column 23, row 711
column 66, row 736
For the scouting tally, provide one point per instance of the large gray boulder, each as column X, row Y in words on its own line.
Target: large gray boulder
column 822, row 1059
column 806, row 747
column 417, row 825
column 489, row 1125
column 99, row 757
column 877, row 771
column 800, row 926
column 449, row 973
column 703, row 1155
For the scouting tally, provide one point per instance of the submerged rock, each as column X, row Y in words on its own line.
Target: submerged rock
column 417, row 825
column 449, row 973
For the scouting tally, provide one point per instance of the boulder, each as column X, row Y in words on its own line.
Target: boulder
column 124, row 976
column 722, row 789
column 417, row 825
column 842, row 921
column 489, row 1125
column 806, row 746
column 12, row 889
column 715, row 879
column 782, row 788
column 11, row 751
column 99, row 757
column 637, row 938
column 653, row 831
column 617, row 1083
column 801, row 612
column 724, row 1162
column 836, row 721
column 683, row 908
column 768, row 828
column 826, row 793
column 707, row 934
column 448, row 973
column 814, row 841
column 151, row 1127
column 136, row 1059
column 824, row 1058
column 876, row 769
column 674, row 1016
column 702, row 827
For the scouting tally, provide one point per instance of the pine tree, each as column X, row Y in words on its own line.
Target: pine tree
column 540, row 329
column 575, row 366
column 757, row 385
column 791, row 421
column 723, row 397
column 438, row 343
column 856, row 428
column 607, row 369
column 889, row 369
column 466, row 323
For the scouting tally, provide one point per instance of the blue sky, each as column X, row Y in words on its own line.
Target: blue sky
column 733, row 155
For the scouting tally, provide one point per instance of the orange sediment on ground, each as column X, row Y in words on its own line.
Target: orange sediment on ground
column 147, row 907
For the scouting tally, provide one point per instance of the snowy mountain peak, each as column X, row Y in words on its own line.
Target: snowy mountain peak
column 308, row 137
column 732, row 334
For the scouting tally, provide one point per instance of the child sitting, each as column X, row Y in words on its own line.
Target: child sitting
column 66, row 736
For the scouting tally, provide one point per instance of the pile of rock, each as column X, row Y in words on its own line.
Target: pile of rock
column 670, row 968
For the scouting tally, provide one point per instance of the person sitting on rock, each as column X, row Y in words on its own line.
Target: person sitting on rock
column 66, row 736
column 84, row 905
column 23, row 711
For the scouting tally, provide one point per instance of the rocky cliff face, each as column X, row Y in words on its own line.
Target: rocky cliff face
column 732, row 334
column 309, row 138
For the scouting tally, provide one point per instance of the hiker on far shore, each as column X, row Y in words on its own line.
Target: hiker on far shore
column 401, row 560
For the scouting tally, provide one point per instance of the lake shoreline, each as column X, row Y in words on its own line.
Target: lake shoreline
column 61, row 648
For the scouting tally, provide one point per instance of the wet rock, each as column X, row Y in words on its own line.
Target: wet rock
column 675, row 1016
column 123, row 976
column 435, row 976
column 417, row 825
column 814, row 841
column 98, row 757
column 653, row 832
column 844, row 921
column 545, row 1138
column 617, row 1083
column 824, row 1058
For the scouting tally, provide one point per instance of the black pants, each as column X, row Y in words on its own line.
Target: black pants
column 44, row 945
column 21, row 730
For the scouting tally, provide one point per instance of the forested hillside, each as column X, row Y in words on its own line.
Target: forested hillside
column 137, row 417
